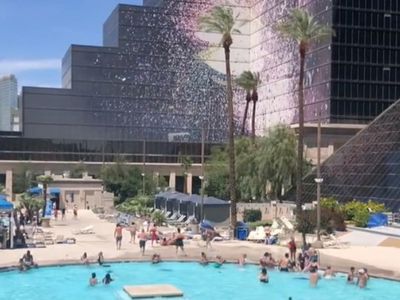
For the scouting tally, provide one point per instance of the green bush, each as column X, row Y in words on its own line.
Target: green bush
column 251, row 215
column 359, row 212
column 361, row 218
column 375, row 207
column 330, row 203
column 254, row 225
column 158, row 218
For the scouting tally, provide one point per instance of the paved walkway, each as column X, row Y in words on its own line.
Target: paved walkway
column 380, row 261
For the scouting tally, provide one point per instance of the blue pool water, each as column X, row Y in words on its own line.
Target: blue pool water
column 197, row 282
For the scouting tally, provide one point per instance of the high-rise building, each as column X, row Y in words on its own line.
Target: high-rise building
column 8, row 100
column 157, row 80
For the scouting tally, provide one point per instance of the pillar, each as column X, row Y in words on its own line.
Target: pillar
column 9, row 181
column 189, row 183
column 172, row 180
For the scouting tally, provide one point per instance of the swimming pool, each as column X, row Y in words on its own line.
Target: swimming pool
column 197, row 282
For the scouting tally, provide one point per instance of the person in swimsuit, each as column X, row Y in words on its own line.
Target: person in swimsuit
column 133, row 230
column 301, row 261
column 118, row 236
column 219, row 262
column 75, row 210
column 142, row 241
column 153, row 234
column 93, row 280
column 100, row 258
column 314, row 276
column 263, row 260
column 362, row 278
column 263, row 276
column 28, row 260
column 179, row 242
column 284, row 263
column 107, row 279
column 21, row 266
column 351, row 276
column 242, row 260
column 85, row 259
column 156, row 258
column 203, row 259
column 329, row 273
column 292, row 249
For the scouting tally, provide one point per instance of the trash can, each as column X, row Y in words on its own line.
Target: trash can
column 241, row 231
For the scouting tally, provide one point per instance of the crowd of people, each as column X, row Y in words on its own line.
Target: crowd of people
column 305, row 261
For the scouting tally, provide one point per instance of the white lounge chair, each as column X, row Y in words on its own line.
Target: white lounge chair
column 174, row 216
column 257, row 235
column 86, row 230
column 190, row 219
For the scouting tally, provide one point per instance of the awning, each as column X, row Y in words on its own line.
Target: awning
column 54, row 191
column 35, row 191
column 5, row 205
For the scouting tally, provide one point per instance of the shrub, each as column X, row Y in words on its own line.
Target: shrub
column 251, row 215
column 158, row 218
column 361, row 218
column 330, row 203
column 306, row 223
column 254, row 225
column 375, row 207
column 351, row 208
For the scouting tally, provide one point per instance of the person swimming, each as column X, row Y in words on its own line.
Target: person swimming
column 107, row 279
column 156, row 258
column 285, row 264
column 203, row 259
column 362, row 278
column 264, row 276
column 351, row 276
column 93, row 280
column 242, row 260
column 329, row 273
column 219, row 262
column 100, row 258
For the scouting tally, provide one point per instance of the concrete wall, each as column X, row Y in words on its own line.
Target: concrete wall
column 268, row 210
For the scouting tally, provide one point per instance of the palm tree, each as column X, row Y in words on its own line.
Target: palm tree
column 31, row 205
column 44, row 180
column 304, row 29
column 221, row 20
column 186, row 164
column 254, row 97
column 245, row 81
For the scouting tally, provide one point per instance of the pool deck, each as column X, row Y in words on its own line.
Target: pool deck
column 380, row 261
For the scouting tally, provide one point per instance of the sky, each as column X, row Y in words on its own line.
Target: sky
column 35, row 34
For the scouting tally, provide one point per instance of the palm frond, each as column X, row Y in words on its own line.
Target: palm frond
column 303, row 27
column 220, row 20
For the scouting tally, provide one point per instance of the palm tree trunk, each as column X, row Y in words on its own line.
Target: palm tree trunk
column 232, row 171
column 300, row 143
column 245, row 117
column 44, row 198
column 253, row 123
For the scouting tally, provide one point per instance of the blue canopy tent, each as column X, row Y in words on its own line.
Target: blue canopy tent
column 215, row 210
column 5, row 206
column 35, row 191
column 377, row 219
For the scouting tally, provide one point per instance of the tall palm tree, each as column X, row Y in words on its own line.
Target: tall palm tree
column 304, row 29
column 221, row 20
column 44, row 180
column 245, row 81
column 254, row 97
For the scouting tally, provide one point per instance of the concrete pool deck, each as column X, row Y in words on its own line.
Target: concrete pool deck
column 380, row 261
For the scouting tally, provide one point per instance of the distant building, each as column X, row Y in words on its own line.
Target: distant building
column 8, row 100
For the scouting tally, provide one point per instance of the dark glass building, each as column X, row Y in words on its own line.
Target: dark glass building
column 365, row 59
column 366, row 167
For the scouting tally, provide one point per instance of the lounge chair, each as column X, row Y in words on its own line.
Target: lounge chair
column 167, row 214
column 174, row 216
column 257, row 235
column 86, row 230
column 178, row 221
column 190, row 220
